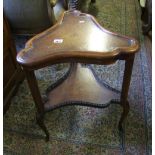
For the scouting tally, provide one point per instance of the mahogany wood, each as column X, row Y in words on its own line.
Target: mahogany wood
column 77, row 37
column 37, row 99
column 78, row 89
column 125, row 89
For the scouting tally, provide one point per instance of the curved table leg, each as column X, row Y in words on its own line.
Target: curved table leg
column 125, row 89
column 37, row 99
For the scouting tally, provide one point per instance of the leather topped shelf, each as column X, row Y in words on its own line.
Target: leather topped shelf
column 76, row 36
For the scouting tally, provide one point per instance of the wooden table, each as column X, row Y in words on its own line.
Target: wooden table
column 77, row 38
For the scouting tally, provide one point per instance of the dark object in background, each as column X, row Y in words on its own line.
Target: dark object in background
column 12, row 73
column 29, row 17
column 75, row 4
column 147, row 17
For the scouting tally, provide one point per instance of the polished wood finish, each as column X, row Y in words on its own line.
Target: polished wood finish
column 37, row 99
column 78, row 38
column 125, row 88
column 78, row 88
column 12, row 73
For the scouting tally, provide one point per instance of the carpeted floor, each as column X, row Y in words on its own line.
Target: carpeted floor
column 79, row 130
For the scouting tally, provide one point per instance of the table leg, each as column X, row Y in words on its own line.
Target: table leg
column 125, row 89
column 33, row 85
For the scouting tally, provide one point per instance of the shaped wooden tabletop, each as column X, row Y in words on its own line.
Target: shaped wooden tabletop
column 77, row 37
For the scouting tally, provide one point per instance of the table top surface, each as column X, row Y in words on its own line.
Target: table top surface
column 76, row 36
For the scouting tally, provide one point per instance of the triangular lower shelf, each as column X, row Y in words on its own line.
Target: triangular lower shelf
column 80, row 88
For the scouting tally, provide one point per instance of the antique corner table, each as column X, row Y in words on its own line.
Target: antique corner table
column 77, row 38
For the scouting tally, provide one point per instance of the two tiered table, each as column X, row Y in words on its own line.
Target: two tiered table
column 77, row 38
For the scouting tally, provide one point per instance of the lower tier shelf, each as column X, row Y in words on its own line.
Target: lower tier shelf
column 80, row 87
